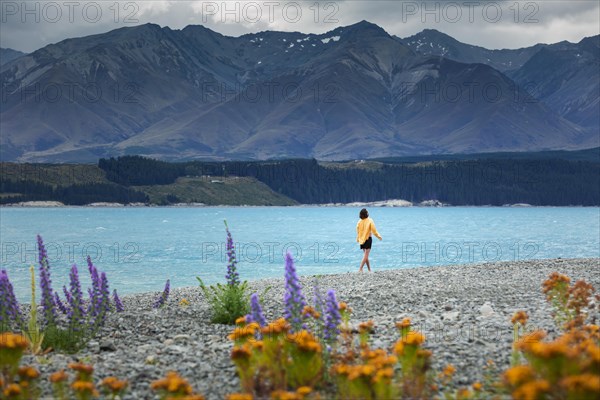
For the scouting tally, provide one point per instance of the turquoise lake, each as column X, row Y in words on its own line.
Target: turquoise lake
column 140, row 248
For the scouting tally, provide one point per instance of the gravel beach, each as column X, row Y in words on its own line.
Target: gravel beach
column 464, row 311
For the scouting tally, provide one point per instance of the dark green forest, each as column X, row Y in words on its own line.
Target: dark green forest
column 485, row 181
column 76, row 195
column 551, row 179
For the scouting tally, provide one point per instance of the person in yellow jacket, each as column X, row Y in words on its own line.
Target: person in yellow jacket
column 364, row 228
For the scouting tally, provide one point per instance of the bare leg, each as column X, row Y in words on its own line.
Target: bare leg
column 367, row 251
column 363, row 261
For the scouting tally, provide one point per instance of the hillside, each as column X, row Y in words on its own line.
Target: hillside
column 80, row 184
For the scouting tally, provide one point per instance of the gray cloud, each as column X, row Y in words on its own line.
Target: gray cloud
column 29, row 25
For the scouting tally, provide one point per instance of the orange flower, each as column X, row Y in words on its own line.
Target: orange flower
column 366, row 327
column 520, row 317
column 59, row 376
column 28, row 373
column 240, row 321
column 82, row 368
column 240, row 353
column 531, row 390
column 9, row 340
column 344, row 307
column 399, row 348
column 172, row 383
column 555, row 281
column 406, row 322
column 244, row 332
column 308, row 310
column 239, row 396
column 477, row 386
column 582, row 383
column 276, row 328
column 463, row 393
column 12, row 390
column 303, row 390
column 113, row 384
column 283, row 395
column 414, row 339
column 306, row 342
column 84, row 387
column 449, row 370
column 519, row 374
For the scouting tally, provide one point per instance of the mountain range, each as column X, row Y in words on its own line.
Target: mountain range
column 354, row 92
column 7, row 55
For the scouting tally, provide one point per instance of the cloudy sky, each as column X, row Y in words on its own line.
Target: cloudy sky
column 29, row 25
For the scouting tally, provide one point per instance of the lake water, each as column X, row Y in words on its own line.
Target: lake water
column 140, row 248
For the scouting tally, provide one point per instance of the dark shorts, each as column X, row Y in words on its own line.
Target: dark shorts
column 367, row 244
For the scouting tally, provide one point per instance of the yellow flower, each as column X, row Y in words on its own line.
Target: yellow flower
column 477, row 386
column 240, row 321
column 184, row 302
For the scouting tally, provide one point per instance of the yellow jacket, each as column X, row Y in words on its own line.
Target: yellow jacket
column 364, row 228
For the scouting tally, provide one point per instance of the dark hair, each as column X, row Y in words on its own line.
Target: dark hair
column 363, row 213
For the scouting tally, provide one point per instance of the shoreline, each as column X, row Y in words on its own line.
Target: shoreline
column 44, row 205
column 463, row 310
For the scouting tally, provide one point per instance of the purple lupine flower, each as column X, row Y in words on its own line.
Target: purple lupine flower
column 118, row 304
column 61, row 306
column 48, row 305
column 164, row 296
column 256, row 310
column 9, row 307
column 67, row 295
column 332, row 317
column 94, row 291
column 232, row 277
column 102, row 303
column 293, row 299
column 75, row 313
